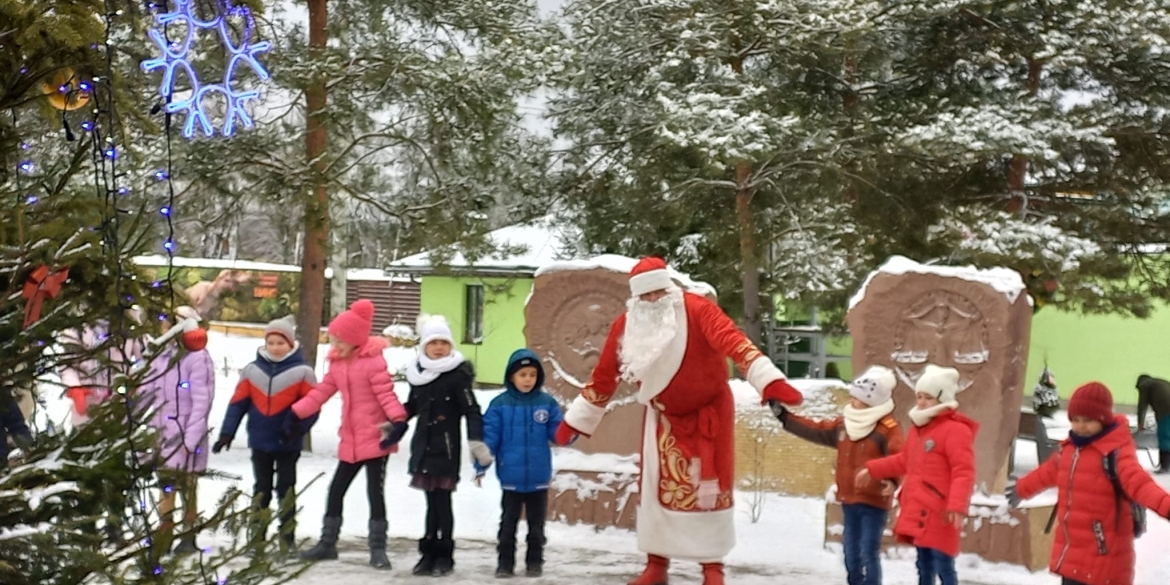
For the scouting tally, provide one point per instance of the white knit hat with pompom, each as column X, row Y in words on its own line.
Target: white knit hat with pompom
column 433, row 328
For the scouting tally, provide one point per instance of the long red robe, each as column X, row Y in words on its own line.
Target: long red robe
column 688, row 450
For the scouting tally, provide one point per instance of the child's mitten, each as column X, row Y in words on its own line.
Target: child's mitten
column 392, row 432
column 481, row 453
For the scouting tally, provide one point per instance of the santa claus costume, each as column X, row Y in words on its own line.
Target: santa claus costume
column 674, row 346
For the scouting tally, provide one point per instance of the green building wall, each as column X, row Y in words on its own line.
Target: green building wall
column 503, row 318
column 1111, row 349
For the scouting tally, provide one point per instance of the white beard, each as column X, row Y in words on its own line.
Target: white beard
column 650, row 327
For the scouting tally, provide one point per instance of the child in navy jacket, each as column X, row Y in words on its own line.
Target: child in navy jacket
column 517, row 427
column 267, row 389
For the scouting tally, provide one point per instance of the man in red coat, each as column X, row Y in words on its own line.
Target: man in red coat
column 674, row 346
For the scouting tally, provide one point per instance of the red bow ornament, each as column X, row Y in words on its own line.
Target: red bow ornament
column 40, row 284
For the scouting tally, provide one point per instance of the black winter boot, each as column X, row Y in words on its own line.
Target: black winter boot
column 506, row 558
column 444, row 557
column 326, row 548
column 377, row 540
column 1163, row 462
column 426, row 564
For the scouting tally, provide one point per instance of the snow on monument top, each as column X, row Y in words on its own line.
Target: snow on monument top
column 1004, row 280
column 622, row 264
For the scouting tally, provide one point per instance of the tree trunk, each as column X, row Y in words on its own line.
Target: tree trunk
column 1018, row 167
column 747, row 250
column 316, row 218
column 340, row 261
column 746, row 220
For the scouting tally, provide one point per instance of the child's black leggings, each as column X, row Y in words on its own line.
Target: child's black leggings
column 440, row 520
column 375, row 487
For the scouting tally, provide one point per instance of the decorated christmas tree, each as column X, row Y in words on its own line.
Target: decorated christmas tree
column 1045, row 398
column 81, row 503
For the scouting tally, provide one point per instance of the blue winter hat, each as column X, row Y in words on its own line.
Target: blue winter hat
column 523, row 358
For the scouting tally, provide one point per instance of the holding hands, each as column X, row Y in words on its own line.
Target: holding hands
column 392, row 433
column 862, row 478
column 1013, row 496
column 293, row 427
column 481, row 455
column 783, row 392
column 565, row 434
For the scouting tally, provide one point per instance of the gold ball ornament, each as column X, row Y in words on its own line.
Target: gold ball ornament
column 65, row 90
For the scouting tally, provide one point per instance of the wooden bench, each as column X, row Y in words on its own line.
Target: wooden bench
column 1032, row 428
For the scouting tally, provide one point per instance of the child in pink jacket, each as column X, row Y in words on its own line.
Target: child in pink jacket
column 372, row 423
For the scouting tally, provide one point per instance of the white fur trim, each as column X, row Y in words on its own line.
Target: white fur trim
column 650, row 281
column 584, row 416
column 187, row 312
column 705, row 537
column 762, row 372
column 659, row 375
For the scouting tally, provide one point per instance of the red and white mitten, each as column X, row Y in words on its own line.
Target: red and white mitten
column 783, row 392
column 565, row 434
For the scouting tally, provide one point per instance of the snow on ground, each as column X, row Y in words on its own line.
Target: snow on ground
column 785, row 546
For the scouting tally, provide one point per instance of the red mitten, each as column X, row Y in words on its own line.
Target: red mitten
column 195, row 340
column 80, row 398
column 783, row 392
column 565, row 434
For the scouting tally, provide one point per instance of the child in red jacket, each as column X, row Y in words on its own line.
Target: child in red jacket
column 938, row 462
column 1093, row 544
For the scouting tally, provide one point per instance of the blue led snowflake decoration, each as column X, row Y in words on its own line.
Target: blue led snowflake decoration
column 175, row 55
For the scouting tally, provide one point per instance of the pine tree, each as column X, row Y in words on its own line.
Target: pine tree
column 1030, row 135
column 720, row 125
column 425, row 138
column 1018, row 134
column 79, row 506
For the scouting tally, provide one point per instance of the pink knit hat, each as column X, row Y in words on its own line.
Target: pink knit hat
column 353, row 326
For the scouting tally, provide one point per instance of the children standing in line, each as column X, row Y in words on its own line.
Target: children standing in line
column 517, row 429
column 867, row 431
column 181, row 387
column 1093, row 542
column 440, row 396
column 938, row 462
column 372, row 422
column 267, row 389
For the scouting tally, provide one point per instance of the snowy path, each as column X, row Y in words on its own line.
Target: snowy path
column 476, row 561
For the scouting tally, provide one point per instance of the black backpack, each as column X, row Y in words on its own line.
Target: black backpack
column 1139, row 511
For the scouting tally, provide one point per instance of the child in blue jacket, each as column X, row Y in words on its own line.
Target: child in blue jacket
column 517, row 427
column 267, row 389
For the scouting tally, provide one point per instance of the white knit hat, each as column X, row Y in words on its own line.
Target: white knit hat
column 875, row 386
column 433, row 328
column 942, row 383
